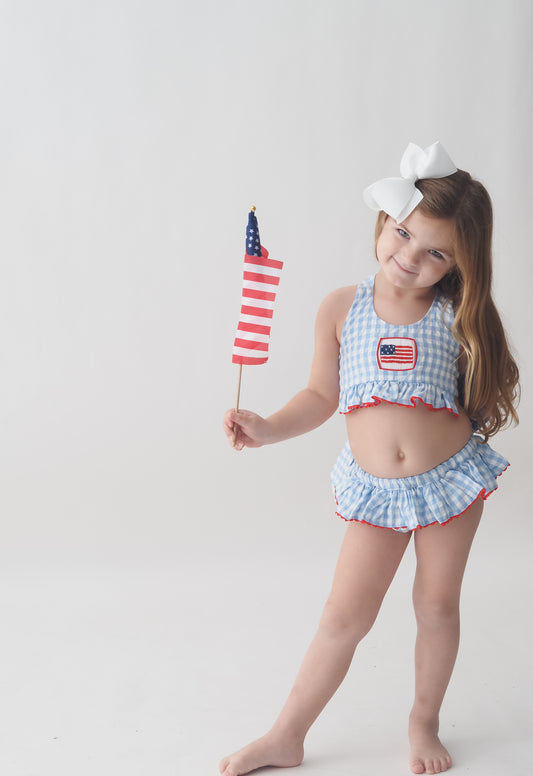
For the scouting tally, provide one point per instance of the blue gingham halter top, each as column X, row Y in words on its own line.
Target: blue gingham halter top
column 401, row 364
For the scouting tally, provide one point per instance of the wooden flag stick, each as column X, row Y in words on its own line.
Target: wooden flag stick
column 237, row 403
column 238, row 389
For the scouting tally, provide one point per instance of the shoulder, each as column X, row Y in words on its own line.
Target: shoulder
column 334, row 308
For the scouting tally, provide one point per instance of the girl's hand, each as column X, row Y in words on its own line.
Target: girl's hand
column 245, row 429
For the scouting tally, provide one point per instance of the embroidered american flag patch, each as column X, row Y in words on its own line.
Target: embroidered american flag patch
column 397, row 353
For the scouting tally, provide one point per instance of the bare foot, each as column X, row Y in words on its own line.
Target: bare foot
column 428, row 755
column 267, row 750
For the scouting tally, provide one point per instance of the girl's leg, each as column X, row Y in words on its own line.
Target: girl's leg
column 442, row 552
column 367, row 563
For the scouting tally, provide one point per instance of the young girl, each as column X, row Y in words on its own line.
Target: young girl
column 416, row 358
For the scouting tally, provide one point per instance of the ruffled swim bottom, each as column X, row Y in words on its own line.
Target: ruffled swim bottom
column 407, row 503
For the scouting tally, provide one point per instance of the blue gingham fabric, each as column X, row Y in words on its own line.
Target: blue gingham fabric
column 404, row 504
column 400, row 364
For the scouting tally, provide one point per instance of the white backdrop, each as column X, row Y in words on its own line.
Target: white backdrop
column 134, row 138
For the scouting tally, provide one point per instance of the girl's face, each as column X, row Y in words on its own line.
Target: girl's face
column 418, row 252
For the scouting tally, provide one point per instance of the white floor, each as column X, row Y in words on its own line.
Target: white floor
column 146, row 669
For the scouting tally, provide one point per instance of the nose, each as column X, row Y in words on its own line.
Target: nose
column 410, row 258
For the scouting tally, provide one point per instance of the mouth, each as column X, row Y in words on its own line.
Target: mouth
column 407, row 271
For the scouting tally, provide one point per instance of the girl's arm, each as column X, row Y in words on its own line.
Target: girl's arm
column 317, row 402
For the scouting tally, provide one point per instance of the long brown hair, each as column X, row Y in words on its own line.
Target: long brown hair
column 491, row 387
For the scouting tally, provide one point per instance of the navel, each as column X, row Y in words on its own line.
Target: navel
column 401, row 455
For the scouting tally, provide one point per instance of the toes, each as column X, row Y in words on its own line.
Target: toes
column 223, row 767
column 431, row 767
column 439, row 766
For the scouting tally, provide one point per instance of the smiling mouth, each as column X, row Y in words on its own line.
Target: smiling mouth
column 407, row 271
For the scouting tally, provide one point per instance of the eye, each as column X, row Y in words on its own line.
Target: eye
column 436, row 254
column 403, row 233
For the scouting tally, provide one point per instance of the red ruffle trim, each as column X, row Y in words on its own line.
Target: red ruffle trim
column 414, row 403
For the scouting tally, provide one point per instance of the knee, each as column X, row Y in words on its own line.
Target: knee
column 436, row 611
column 349, row 623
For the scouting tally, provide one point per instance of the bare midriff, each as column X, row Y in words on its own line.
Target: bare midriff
column 389, row 440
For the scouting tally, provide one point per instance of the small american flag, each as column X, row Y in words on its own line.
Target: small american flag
column 260, row 282
column 397, row 353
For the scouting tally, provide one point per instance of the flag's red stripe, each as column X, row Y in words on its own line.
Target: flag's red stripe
column 248, row 360
column 262, row 312
column 258, row 278
column 253, row 328
column 250, row 344
column 263, row 261
column 252, row 293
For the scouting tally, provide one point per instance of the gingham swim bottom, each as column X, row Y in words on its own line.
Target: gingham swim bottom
column 407, row 503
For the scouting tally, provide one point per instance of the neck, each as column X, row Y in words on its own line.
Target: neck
column 397, row 294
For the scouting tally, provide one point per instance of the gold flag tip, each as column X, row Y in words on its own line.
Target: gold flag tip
column 252, row 209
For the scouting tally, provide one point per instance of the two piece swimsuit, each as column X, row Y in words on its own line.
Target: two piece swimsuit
column 406, row 364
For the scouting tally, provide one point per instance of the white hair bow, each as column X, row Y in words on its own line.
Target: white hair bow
column 398, row 197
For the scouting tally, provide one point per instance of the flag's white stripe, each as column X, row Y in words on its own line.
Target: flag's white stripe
column 250, row 352
column 252, row 336
column 257, row 285
column 250, row 301
column 260, row 270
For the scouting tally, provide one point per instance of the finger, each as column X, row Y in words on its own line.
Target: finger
column 228, row 428
column 237, row 442
column 236, row 437
column 229, row 422
column 231, row 417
